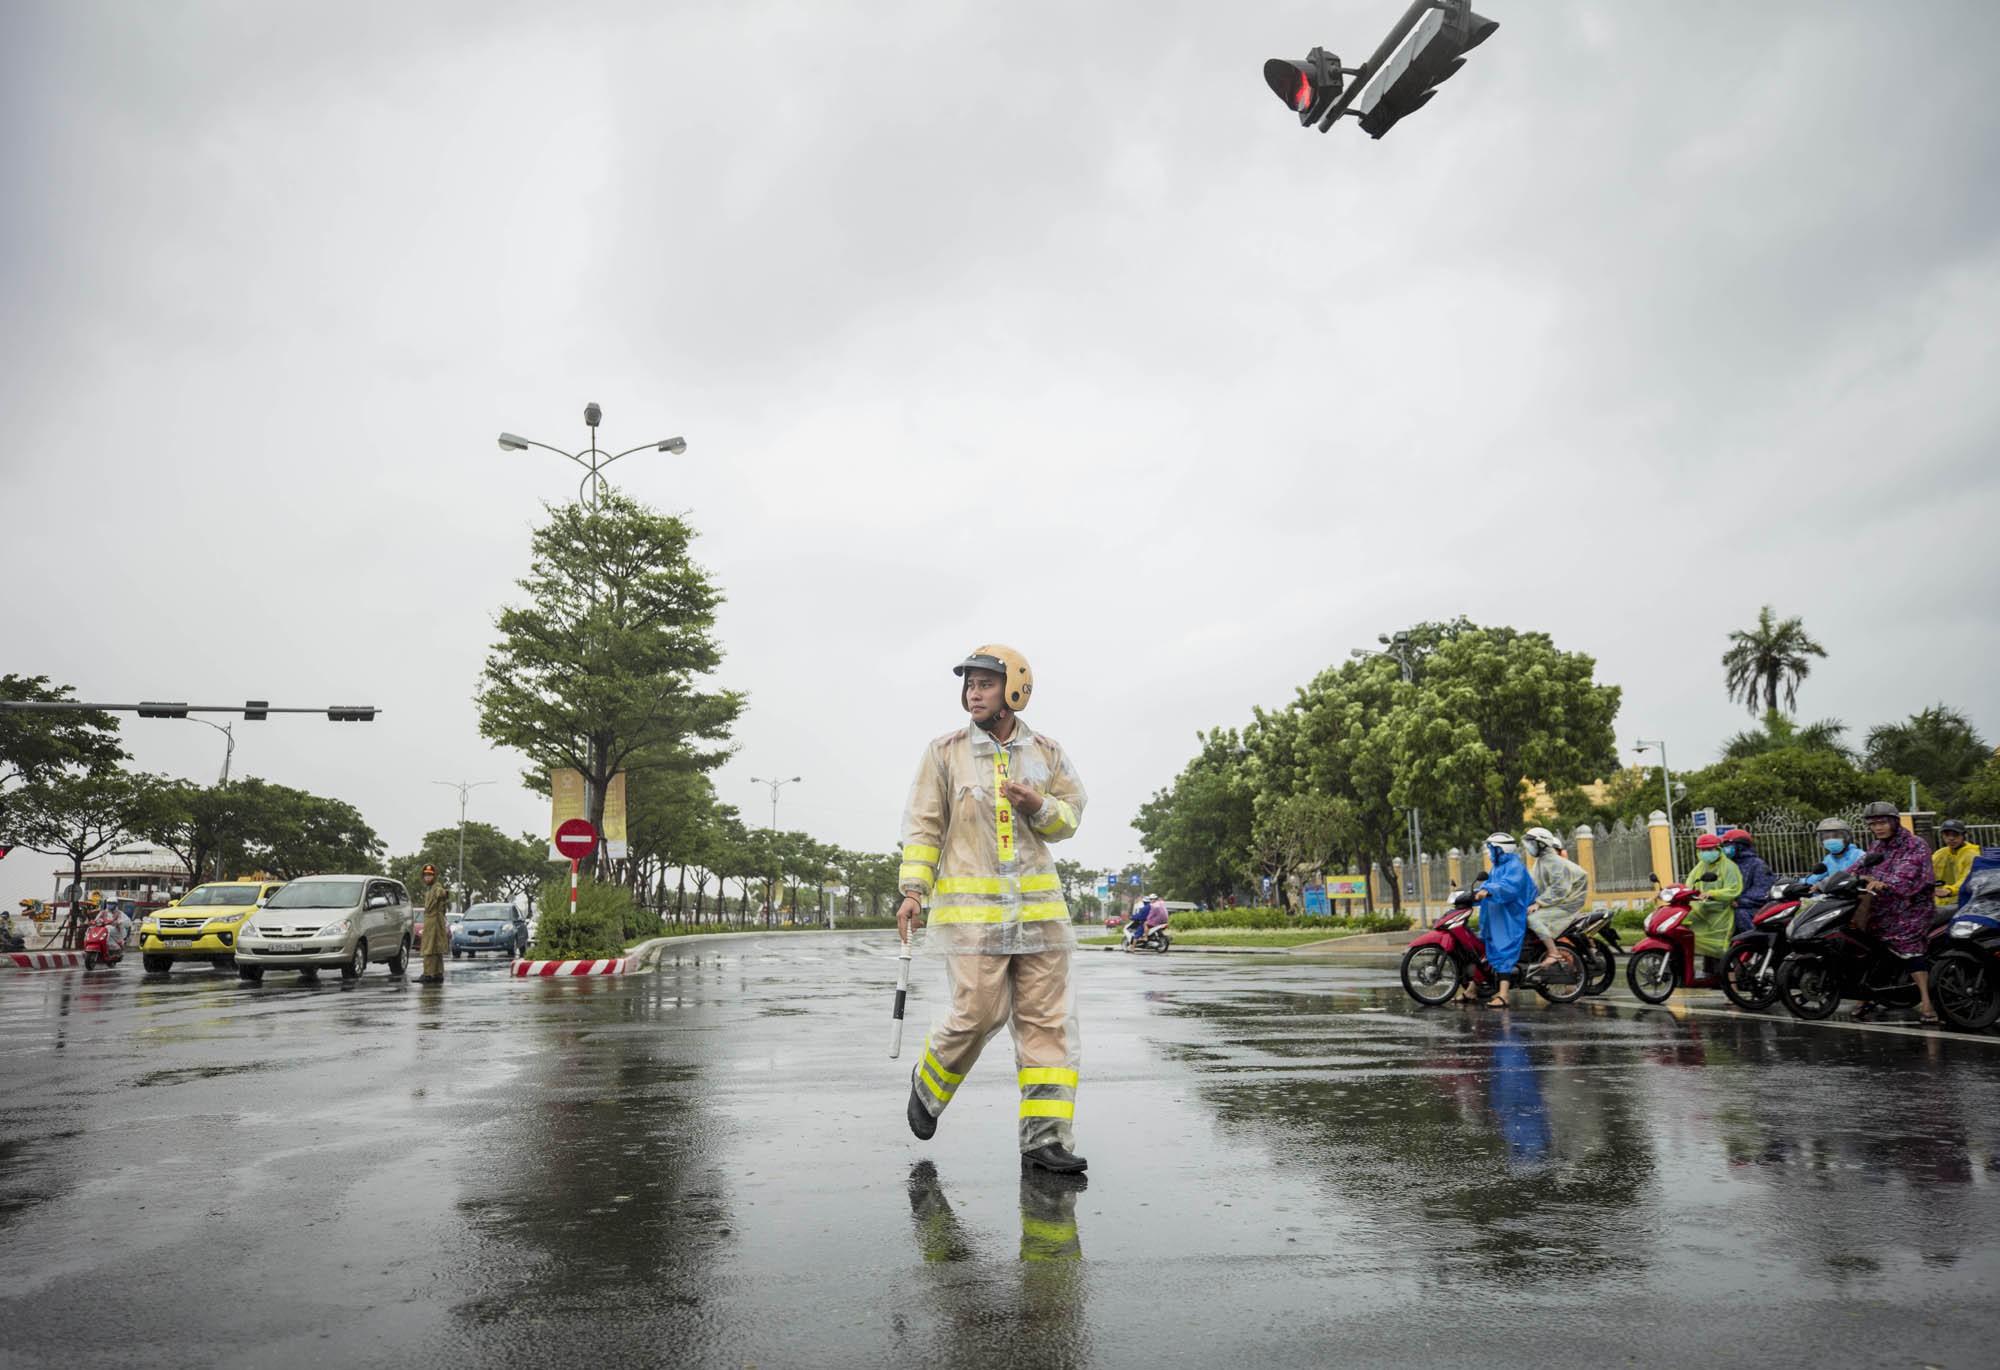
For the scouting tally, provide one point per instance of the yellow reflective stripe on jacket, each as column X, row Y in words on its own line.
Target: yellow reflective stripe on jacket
column 1048, row 1108
column 913, row 873
column 916, row 853
column 999, row 884
column 996, row 913
column 941, row 1092
column 1047, row 1075
column 1003, row 809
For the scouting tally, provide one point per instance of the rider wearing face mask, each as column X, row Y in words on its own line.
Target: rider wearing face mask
column 1836, row 839
column 1718, row 882
column 1738, row 847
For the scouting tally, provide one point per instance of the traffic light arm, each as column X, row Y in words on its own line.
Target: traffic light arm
column 1411, row 18
column 361, row 713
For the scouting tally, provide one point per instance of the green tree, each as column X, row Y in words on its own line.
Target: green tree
column 1197, row 830
column 1778, row 732
column 497, row 867
column 80, row 816
column 1490, row 709
column 1939, row 746
column 599, row 670
column 1979, row 798
column 1793, row 784
column 291, row 833
column 1773, row 656
column 197, row 823
column 33, row 743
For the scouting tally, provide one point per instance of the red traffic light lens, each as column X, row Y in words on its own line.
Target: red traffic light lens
column 1302, row 98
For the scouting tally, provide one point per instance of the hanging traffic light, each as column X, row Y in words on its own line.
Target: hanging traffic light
column 351, row 713
column 155, row 709
column 1309, row 87
column 256, row 710
column 1428, row 56
column 1424, row 48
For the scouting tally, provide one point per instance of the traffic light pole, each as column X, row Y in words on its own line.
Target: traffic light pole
column 253, row 709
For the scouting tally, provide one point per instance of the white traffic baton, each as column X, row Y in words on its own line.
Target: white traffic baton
column 902, row 994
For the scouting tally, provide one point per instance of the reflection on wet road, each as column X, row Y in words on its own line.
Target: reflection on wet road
column 708, row 1166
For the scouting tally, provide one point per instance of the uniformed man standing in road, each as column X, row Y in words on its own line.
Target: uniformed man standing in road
column 437, row 927
column 986, row 802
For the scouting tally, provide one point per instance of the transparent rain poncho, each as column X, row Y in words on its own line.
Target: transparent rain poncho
column 982, row 869
column 996, row 913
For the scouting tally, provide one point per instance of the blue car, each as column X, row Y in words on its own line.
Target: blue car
column 489, row 927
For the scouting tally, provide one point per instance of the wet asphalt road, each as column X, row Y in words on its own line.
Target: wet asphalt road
column 708, row 1166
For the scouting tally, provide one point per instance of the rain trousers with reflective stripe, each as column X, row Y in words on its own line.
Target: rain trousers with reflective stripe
column 998, row 917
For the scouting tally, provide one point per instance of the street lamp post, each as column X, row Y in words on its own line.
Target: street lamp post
column 465, row 789
column 776, row 785
column 1398, row 646
column 1640, row 744
column 592, row 459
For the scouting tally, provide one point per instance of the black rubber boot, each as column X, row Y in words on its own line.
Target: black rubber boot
column 921, row 1121
column 1054, row 1156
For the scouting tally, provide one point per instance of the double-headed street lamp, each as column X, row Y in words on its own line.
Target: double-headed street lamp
column 592, row 459
column 775, row 785
column 1640, row 744
column 1398, row 646
column 464, row 788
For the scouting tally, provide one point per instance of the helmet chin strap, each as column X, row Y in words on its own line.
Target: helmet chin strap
column 988, row 725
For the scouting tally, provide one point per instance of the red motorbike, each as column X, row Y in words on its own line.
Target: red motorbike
column 100, row 947
column 1664, row 959
column 1450, row 956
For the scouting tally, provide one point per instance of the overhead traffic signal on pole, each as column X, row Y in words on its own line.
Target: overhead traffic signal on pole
column 351, row 713
column 256, row 710
column 154, row 709
column 1426, row 47
column 1430, row 54
column 1309, row 87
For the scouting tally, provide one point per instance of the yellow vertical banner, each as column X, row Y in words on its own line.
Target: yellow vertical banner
column 614, row 816
column 566, row 801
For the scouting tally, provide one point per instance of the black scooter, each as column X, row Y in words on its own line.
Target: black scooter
column 1965, row 958
column 1750, row 966
column 1831, row 959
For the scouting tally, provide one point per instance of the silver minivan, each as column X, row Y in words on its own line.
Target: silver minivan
column 328, row 920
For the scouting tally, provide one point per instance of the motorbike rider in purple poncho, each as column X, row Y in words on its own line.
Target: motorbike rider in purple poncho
column 1902, row 905
column 1503, row 911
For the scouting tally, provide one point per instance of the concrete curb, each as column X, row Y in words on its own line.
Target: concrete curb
column 542, row 970
column 642, row 958
column 44, row 960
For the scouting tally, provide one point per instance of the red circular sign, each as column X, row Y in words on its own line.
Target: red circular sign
column 576, row 839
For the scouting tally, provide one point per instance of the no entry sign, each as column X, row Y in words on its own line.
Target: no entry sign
column 576, row 839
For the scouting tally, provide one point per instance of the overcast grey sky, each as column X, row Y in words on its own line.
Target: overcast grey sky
column 1039, row 323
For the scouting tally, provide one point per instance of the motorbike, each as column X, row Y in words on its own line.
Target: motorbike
column 1451, row 956
column 1663, row 960
column 1831, row 959
column 1154, row 937
column 10, row 940
column 1596, row 943
column 1750, row 966
column 1965, row 957
column 100, row 947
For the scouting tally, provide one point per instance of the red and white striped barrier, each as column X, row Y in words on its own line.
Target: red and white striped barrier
column 45, row 960
column 615, row 965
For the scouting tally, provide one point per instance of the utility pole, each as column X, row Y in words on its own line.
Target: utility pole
column 1667, row 785
column 465, row 789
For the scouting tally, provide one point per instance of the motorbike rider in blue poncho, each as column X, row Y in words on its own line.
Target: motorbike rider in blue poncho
column 1503, row 911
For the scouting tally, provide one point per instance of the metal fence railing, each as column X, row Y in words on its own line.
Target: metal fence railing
column 1623, row 854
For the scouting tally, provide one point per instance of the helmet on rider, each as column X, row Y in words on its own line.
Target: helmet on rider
column 1881, row 809
column 1952, row 825
column 1017, row 682
column 1834, row 835
column 1499, row 842
column 1736, row 835
column 1540, row 841
column 1708, row 847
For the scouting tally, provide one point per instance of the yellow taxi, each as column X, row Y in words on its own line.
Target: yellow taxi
column 201, row 925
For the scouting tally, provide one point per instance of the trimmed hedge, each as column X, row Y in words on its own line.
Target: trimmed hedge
column 1274, row 918
column 597, row 929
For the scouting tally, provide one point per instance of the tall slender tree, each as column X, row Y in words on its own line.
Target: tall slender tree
column 1938, row 745
column 600, row 670
column 1767, row 660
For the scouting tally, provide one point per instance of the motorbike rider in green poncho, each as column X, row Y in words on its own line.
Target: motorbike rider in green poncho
column 1718, row 881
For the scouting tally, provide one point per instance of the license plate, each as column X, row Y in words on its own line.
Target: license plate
column 172, row 938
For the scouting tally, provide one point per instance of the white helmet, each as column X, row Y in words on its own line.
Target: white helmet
column 1502, row 841
column 1539, row 840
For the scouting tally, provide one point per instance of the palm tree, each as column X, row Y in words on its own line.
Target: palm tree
column 1779, row 733
column 1939, row 746
column 1771, row 655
